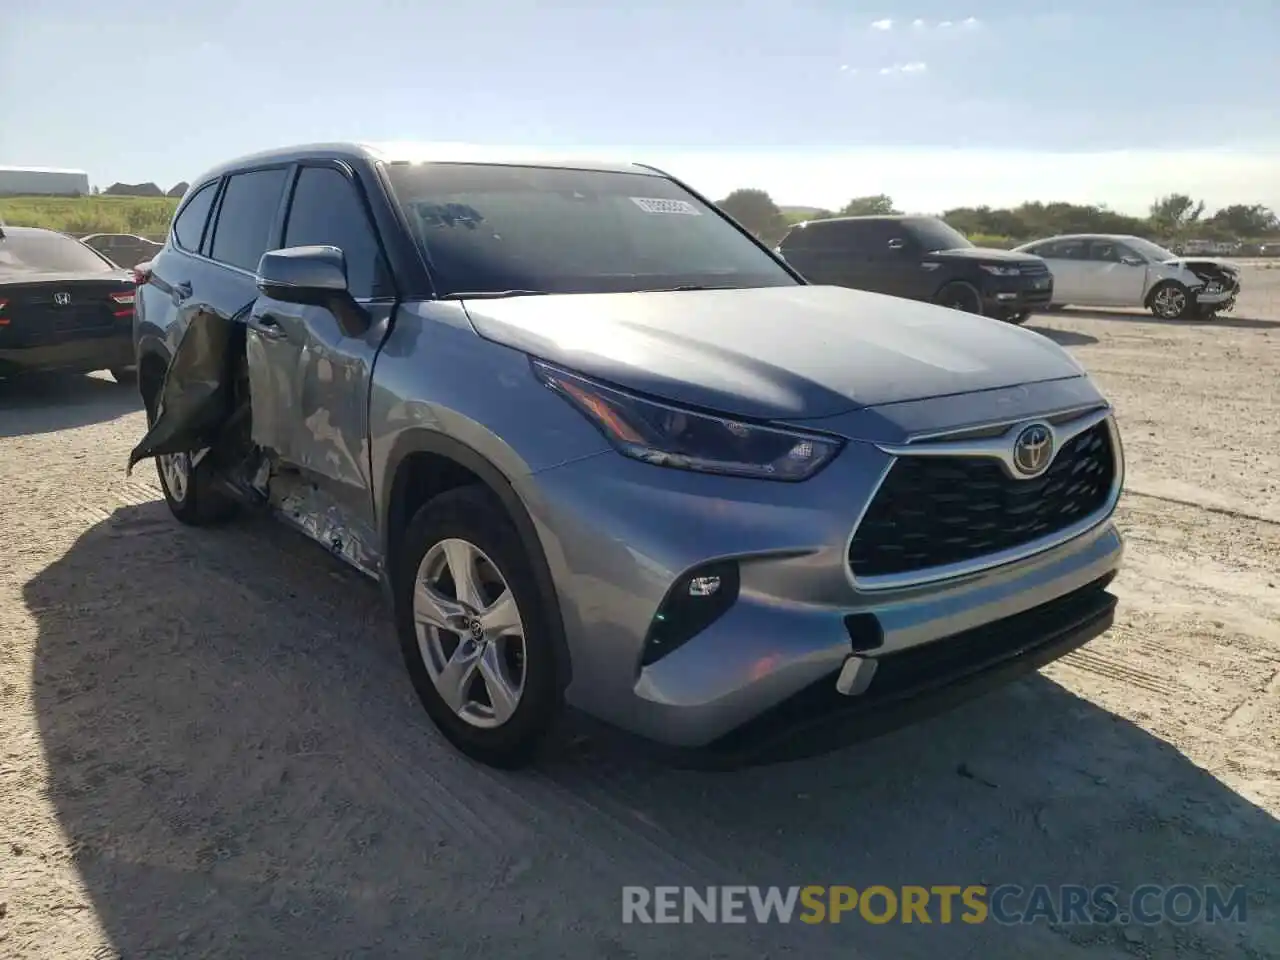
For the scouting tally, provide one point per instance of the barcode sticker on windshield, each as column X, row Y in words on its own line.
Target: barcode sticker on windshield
column 656, row 205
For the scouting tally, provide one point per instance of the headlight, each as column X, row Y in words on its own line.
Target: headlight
column 673, row 437
column 999, row 271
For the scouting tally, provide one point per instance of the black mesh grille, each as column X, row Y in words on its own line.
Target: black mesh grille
column 933, row 511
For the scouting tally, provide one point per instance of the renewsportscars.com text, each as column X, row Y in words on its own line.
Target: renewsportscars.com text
column 974, row 904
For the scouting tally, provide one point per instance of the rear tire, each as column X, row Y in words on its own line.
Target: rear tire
column 961, row 296
column 1170, row 300
column 191, row 491
column 502, row 710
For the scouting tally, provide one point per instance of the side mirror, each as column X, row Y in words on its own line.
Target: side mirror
column 1132, row 261
column 314, row 276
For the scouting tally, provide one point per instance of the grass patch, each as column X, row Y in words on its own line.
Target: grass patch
column 145, row 216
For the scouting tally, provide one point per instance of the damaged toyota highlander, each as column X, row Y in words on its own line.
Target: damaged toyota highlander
column 605, row 451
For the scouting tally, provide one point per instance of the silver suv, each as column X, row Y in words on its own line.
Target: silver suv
column 602, row 448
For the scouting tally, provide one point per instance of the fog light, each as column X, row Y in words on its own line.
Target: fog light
column 703, row 586
column 693, row 603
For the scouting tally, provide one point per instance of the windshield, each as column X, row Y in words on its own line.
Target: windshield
column 1152, row 251
column 41, row 251
column 489, row 229
column 933, row 235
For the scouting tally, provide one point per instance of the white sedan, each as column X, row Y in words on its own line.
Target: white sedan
column 1102, row 270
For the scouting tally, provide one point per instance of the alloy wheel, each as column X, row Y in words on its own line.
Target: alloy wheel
column 176, row 470
column 470, row 633
column 1170, row 302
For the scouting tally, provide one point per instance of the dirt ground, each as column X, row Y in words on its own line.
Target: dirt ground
column 209, row 746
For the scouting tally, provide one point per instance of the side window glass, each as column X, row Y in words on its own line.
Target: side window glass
column 245, row 218
column 1103, row 250
column 326, row 210
column 189, row 225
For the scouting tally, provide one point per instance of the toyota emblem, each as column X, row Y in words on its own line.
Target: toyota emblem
column 1033, row 450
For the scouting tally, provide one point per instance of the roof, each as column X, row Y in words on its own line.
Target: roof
column 78, row 173
column 411, row 152
column 1091, row 236
column 18, row 231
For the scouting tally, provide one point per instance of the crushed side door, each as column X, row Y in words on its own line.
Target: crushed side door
column 197, row 397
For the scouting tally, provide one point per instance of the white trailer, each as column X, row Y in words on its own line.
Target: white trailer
column 42, row 182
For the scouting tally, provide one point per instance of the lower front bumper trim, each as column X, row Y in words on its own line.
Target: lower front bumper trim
column 911, row 685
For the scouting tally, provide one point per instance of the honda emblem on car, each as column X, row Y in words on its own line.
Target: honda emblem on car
column 62, row 299
column 1033, row 450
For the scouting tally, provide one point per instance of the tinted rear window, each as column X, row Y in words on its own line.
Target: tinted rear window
column 833, row 235
column 246, row 216
column 488, row 228
column 46, row 252
column 936, row 235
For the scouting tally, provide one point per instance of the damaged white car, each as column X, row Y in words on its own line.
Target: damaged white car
column 1102, row 270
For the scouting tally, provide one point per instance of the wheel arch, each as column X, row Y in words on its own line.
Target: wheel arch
column 153, row 363
column 423, row 464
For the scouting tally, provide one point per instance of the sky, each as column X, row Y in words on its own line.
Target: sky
column 938, row 103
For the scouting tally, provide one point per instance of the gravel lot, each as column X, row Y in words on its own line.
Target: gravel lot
column 209, row 747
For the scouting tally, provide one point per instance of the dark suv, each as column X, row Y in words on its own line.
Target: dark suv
column 920, row 258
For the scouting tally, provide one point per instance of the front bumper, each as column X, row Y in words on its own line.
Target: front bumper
column 914, row 684
column 618, row 534
column 1002, row 296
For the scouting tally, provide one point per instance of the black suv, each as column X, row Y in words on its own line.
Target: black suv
column 920, row 258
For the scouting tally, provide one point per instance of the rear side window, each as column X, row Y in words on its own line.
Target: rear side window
column 829, row 235
column 326, row 210
column 246, row 216
column 189, row 225
column 1061, row 250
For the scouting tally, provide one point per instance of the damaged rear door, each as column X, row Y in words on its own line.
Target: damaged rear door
column 310, row 358
column 212, row 285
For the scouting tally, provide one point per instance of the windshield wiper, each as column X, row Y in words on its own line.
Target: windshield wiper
column 492, row 294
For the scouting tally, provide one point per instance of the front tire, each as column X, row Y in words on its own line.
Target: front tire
column 125, row 376
column 1018, row 319
column 959, row 295
column 473, row 629
column 1170, row 300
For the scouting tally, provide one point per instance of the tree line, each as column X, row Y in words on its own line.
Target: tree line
column 1172, row 218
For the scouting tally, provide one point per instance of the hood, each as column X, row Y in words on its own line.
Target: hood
column 773, row 353
column 985, row 254
column 1191, row 262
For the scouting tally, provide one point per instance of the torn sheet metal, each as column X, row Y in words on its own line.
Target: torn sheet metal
column 195, row 399
column 309, row 509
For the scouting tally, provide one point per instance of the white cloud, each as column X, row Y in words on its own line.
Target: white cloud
column 918, row 24
column 882, row 25
column 945, row 24
column 913, row 67
column 969, row 22
column 851, row 71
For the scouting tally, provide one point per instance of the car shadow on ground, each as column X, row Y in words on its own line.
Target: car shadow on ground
column 240, row 769
column 47, row 403
column 1064, row 338
column 1221, row 320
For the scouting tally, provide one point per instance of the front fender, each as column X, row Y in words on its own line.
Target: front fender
column 395, row 513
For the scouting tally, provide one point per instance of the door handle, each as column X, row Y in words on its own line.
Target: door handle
column 182, row 291
column 267, row 326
